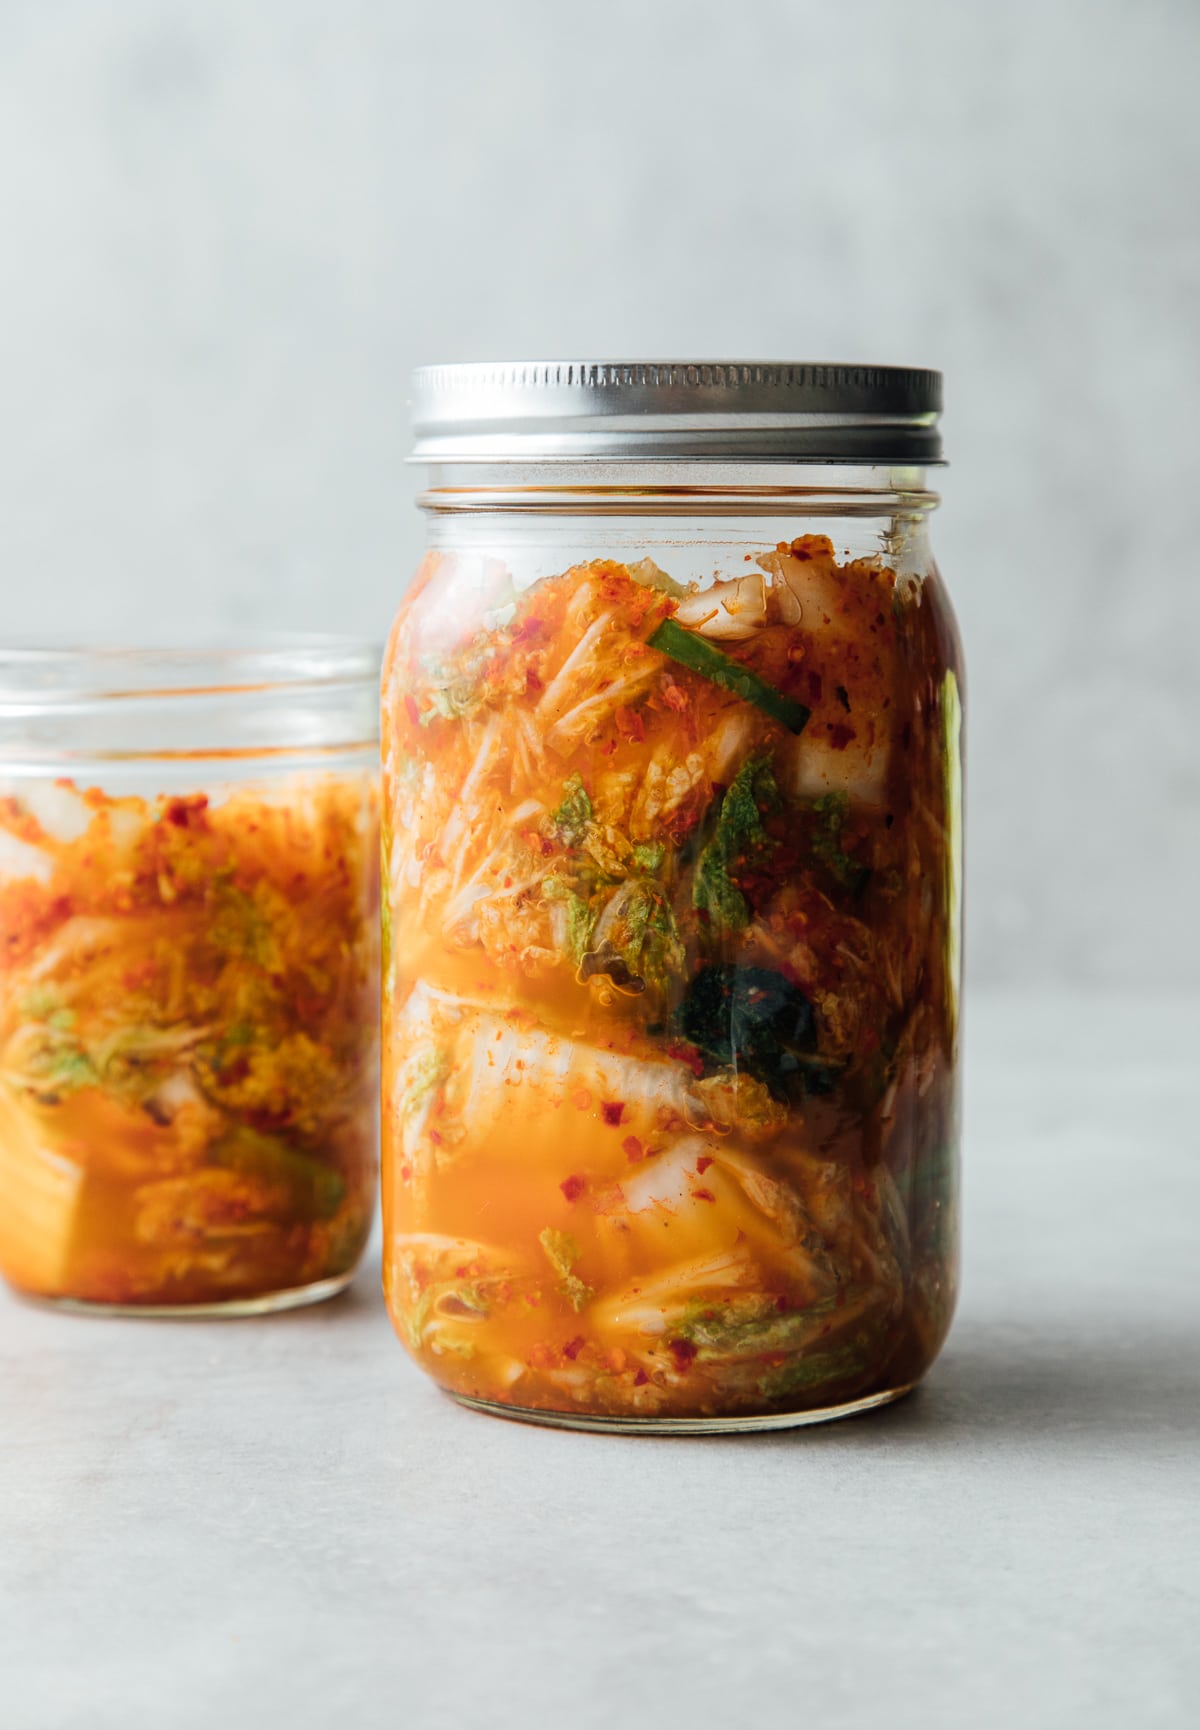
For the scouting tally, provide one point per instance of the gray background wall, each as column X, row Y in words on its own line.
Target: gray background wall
column 228, row 228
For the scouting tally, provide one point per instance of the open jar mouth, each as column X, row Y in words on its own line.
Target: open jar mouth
column 74, row 671
column 279, row 695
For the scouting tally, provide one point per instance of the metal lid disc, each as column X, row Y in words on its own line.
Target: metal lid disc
column 660, row 410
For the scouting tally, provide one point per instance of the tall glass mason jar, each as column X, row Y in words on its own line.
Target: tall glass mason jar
column 189, row 989
column 672, row 850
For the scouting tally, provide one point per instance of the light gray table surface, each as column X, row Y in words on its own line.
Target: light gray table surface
column 281, row 1523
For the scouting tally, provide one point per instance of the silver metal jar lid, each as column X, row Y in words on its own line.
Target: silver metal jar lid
column 548, row 411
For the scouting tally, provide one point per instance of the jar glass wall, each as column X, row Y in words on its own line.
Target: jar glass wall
column 188, row 974
column 672, row 843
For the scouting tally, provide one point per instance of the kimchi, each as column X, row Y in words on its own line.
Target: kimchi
column 188, row 1040
column 672, row 906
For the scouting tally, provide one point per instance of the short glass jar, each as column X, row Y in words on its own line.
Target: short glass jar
column 673, row 898
column 188, row 974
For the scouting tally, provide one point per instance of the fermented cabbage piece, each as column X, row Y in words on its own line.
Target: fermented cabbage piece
column 39, row 1202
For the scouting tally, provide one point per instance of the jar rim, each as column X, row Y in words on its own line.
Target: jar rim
column 51, row 671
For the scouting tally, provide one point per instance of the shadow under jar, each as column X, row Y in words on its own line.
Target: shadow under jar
column 188, row 974
column 672, row 852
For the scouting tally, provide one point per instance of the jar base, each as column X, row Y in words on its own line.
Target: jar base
column 717, row 1426
column 261, row 1304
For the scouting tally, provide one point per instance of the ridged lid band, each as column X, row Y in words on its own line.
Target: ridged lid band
column 546, row 411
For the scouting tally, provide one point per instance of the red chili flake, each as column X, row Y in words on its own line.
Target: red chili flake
column 814, row 687
column 528, row 631
column 640, row 1380
column 704, row 1195
column 573, row 1187
column 179, row 811
column 630, row 725
column 703, row 1163
column 840, row 736
column 411, row 710
column 683, row 1351
column 633, row 1148
column 684, row 1053
column 406, row 1173
column 613, row 584
column 435, row 1136
column 612, row 1111
column 782, row 1302
column 574, row 1347
column 675, row 697
column 533, row 683
column 843, row 697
